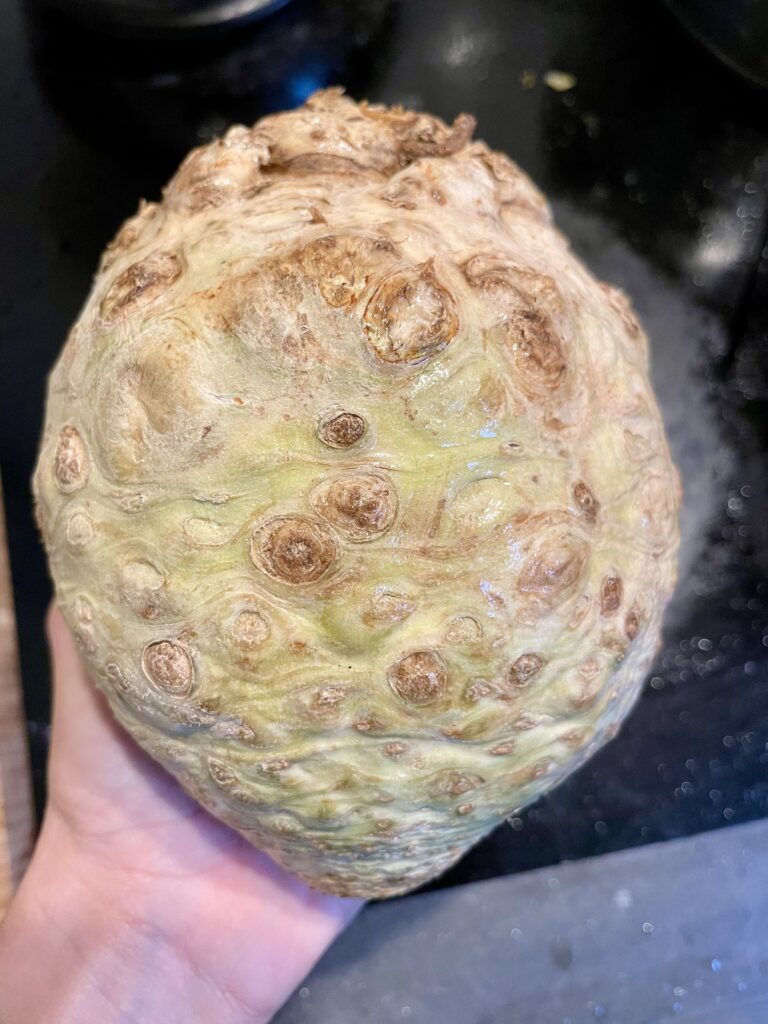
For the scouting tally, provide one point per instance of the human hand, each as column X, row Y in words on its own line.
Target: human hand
column 138, row 906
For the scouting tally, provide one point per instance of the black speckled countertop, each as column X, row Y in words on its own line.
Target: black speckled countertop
column 657, row 164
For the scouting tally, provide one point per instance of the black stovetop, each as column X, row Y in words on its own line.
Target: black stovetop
column 657, row 164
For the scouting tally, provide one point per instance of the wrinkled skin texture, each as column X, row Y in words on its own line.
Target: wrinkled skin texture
column 355, row 491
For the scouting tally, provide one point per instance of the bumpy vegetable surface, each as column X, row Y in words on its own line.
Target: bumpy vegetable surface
column 355, row 491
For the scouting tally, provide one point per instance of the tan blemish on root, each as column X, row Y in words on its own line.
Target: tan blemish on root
column 611, row 594
column 395, row 749
column 502, row 749
column 368, row 723
column 343, row 265
column 478, row 689
column 631, row 624
column 326, row 702
column 361, row 506
column 458, row 783
column 463, row 629
column 168, row 666
column 80, row 530
column 530, row 313
column 341, row 429
column 554, row 570
column 410, row 317
column 294, row 549
column 141, row 283
column 585, row 501
column 221, row 773
column 419, row 678
column 250, row 629
column 141, row 589
column 386, row 607
column 70, row 463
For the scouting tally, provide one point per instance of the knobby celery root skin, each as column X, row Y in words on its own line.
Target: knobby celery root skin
column 355, row 491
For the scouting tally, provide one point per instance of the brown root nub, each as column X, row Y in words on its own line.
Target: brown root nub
column 410, row 316
column 611, row 595
column 70, row 463
column 395, row 749
column 631, row 624
column 386, row 607
column 555, row 569
column 143, row 281
column 586, row 501
column 513, row 186
column 528, row 301
column 168, row 666
column 341, row 430
column 343, row 265
column 589, row 668
column 222, row 171
column 574, row 738
column 524, row 669
column 501, row 749
column 130, row 232
column 362, row 506
column 80, row 530
column 221, row 773
column 537, row 349
column 368, row 723
column 497, row 276
column 419, row 678
column 422, row 135
column 141, row 588
column 326, row 702
column 584, row 692
column 293, row 549
column 250, row 629
column 116, row 677
column 477, row 690
column 458, row 783
column 463, row 629
column 621, row 304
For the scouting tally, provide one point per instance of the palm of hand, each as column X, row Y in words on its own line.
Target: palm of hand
column 179, row 880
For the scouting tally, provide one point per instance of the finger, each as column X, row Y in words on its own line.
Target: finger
column 80, row 715
column 89, row 750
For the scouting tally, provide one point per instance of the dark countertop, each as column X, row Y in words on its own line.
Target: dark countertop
column 657, row 163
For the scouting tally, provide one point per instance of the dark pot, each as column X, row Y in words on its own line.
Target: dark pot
column 161, row 17
column 736, row 31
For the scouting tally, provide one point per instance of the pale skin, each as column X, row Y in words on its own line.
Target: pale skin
column 138, row 907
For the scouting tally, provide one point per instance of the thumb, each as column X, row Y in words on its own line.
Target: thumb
column 83, row 731
column 92, row 760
